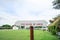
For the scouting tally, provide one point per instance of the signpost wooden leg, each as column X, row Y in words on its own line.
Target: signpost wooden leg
column 31, row 33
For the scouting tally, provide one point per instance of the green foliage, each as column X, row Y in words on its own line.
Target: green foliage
column 55, row 18
column 52, row 29
column 56, row 4
column 51, row 21
column 53, row 26
column 6, row 26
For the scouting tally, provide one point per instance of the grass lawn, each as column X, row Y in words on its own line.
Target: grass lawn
column 24, row 35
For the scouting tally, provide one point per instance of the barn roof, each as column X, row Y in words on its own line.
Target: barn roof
column 30, row 21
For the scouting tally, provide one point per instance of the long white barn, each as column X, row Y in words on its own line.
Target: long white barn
column 25, row 24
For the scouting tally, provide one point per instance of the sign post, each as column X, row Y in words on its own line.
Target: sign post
column 31, row 33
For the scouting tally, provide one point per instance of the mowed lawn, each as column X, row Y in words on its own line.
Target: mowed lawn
column 25, row 35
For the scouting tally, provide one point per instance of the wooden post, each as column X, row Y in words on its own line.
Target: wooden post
column 31, row 33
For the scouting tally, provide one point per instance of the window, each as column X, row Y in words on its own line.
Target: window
column 38, row 26
column 22, row 27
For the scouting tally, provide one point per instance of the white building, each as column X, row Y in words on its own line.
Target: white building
column 25, row 24
column 15, row 28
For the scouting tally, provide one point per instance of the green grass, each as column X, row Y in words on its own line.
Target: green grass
column 24, row 35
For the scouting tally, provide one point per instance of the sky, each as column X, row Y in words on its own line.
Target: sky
column 14, row 10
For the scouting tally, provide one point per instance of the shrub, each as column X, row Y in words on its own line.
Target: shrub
column 6, row 26
column 52, row 29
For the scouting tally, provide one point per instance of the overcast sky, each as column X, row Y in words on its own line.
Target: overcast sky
column 13, row 10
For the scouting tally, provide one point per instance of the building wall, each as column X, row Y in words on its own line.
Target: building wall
column 28, row 23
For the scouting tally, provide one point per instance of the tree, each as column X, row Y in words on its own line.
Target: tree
column 55, row 18
column 6, row 26
column 56, row 4
column 51, row 21
column 54, row 24
column 56, row 21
